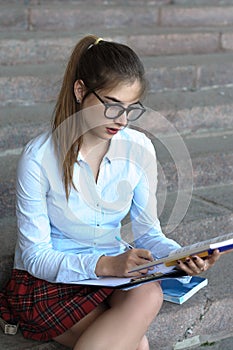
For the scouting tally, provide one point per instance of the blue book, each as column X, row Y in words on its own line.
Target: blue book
column 178, row 292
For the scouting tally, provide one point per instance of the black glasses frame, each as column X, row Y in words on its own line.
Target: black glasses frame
column 128, row 109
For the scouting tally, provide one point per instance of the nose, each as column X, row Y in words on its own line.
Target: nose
column 122, row 119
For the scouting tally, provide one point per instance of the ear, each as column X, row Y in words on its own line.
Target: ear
column 79, row 90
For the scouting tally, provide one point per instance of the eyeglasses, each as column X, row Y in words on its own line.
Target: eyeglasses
column 115, row 110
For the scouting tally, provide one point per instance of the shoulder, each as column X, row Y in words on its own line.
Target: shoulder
column 38, row 155
column 33, row 160
column 39, row 147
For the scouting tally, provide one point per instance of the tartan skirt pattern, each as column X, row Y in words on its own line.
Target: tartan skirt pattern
column 45, row 310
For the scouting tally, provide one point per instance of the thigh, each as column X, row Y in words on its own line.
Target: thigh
column 147, row 294
column 144, row 302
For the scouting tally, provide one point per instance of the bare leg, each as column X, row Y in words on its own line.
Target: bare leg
column 124, row 325
column 70, row 337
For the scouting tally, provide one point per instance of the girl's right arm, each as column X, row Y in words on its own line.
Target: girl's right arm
column 34, row 249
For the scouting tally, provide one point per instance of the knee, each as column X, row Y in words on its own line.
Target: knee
column 151, row 300
column 148, row 299
column 153, row 295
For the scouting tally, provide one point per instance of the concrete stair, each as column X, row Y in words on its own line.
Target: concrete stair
column 187, row 50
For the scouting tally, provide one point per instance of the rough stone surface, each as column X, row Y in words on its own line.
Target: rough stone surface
column 76, row 17
column 187, row 121
column 203, row 2
column 215, row 74
column 175, row 43
column 227, row 41
column 202, row 16
column 15, row 19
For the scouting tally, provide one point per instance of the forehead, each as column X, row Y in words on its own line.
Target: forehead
column 125, row 92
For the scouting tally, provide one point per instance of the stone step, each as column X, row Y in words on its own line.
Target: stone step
column 31, row 83
column 24, row 47
column 123, row 2
column 194, row 162
column 18, row 124
column 189, row 72
column 72, row 16
column 199, row 2
column 183, row 113
column 188, row 112
column 17, row 342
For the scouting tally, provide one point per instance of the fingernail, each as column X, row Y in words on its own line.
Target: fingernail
column 194, row 258
column 178, row 262
column 188, row 260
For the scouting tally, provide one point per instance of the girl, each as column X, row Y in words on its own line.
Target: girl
column 75, row 185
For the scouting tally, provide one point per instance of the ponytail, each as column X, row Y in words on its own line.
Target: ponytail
column 64, row 125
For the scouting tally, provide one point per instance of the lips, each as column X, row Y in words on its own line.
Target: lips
column 112, row 131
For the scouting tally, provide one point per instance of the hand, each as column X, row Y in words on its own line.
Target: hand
column 195, row 265
column 119, row 265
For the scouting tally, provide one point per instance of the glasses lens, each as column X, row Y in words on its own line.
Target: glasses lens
column 134, row 114
column 114, row 111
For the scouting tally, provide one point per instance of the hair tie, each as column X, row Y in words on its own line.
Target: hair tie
column 98, row 40
column 95, row 43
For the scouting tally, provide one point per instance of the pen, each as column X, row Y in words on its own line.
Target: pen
column 127, row 245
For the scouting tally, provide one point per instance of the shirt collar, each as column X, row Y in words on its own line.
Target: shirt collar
column 112, row 152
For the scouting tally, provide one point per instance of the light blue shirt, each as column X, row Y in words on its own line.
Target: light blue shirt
column 60, row 240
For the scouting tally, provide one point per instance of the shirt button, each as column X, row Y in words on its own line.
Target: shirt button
column 97, row 224
column 97, row 204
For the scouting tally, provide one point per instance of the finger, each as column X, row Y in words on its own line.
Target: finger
column 200, row 263
column 137, row 273
column 196, row 264
column 189, row 267
column 133, row 274
column 213, row 257
column 141, row 261
column 145, row 254
column 181, row 265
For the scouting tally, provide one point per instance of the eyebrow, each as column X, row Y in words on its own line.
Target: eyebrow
column 118, row 101
column 113, row 99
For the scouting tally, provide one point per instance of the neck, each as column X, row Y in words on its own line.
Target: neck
column 93, row 147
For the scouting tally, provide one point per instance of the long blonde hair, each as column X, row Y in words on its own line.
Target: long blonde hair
column 102, row 65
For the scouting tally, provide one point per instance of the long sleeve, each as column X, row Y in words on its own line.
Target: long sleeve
column 35, row 252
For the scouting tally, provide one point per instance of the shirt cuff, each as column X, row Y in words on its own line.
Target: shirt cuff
column 91, row 265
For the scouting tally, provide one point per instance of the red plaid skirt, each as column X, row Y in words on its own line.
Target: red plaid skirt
column 45, row 310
